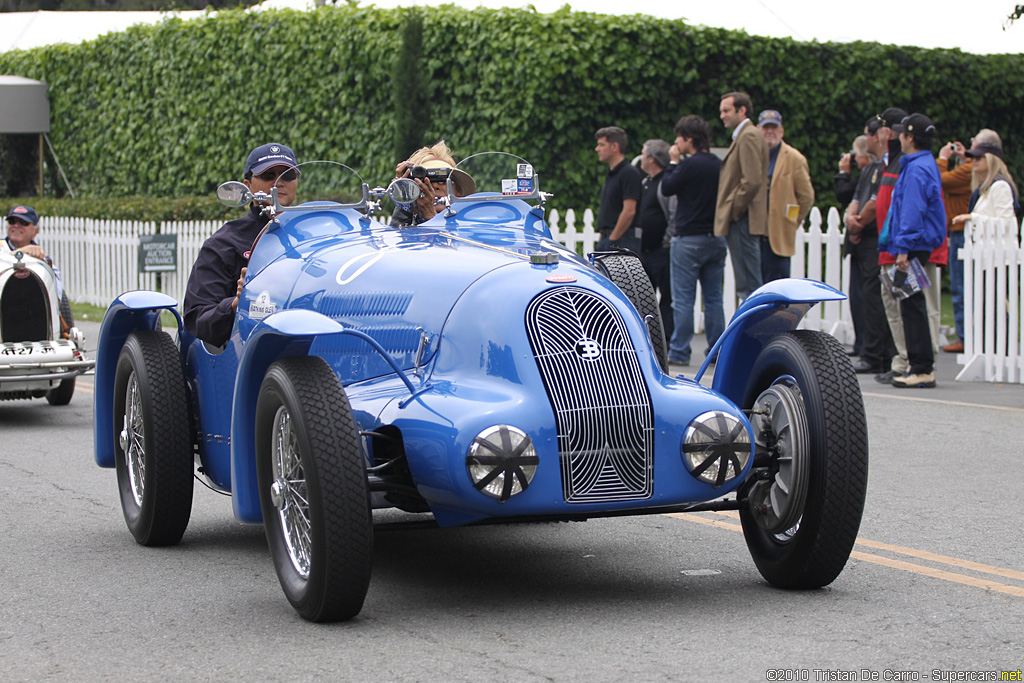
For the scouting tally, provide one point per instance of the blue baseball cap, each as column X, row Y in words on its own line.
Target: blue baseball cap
column 25, row 213
column 771, row 117
column 267, row 156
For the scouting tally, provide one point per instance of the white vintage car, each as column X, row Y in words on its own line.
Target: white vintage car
column 41, row 351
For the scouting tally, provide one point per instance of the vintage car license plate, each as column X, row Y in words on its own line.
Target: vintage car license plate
column 25, row 349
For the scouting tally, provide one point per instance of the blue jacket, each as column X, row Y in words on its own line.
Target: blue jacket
column 917, row 215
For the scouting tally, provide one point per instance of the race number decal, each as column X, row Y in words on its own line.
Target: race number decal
column 262, row 306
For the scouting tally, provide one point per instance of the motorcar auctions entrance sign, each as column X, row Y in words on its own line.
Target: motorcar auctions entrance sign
column 158, row 253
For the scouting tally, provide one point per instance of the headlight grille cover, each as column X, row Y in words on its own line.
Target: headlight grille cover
column 602, row 408
column 716, row 447
column 501, row 462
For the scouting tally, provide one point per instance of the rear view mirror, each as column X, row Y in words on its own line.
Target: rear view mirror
column 234, row 194
column 403, row 192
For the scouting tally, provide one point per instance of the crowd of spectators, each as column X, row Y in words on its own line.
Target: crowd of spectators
column 905, row 215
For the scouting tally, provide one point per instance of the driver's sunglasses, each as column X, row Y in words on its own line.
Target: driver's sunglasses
column 17, row 221
column 271, row 175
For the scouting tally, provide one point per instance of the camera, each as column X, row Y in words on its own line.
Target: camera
column 434, row 175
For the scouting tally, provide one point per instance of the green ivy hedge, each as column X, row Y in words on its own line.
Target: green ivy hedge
column 128, row 208
column 171, row 110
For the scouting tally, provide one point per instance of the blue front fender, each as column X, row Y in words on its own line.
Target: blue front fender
column 282, row 335
column 773, row 308
column 138, row 310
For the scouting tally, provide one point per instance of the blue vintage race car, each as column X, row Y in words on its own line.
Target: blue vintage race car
column 473, row 370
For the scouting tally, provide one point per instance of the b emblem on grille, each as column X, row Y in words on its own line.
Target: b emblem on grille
column 588, row 349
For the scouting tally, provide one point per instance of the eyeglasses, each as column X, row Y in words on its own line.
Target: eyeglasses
column 17, row 221
column 272, row 175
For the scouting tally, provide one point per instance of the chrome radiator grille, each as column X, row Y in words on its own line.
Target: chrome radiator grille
column 602, row 409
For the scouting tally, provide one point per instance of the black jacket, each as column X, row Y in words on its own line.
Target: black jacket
column 214, row 279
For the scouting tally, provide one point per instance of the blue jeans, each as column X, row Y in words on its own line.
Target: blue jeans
column 745, row 251
column 956, row 281
column 696, row 258
column 773, row 266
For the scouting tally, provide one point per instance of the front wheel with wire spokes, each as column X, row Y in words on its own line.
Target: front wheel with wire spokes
column 313, row 490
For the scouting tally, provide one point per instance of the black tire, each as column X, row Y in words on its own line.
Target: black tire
column 62, row 393
column 154, row 459
column 65, row 311
column 323, row 557
column 628, row 274
column 813, row 552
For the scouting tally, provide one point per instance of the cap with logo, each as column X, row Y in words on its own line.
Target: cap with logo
column 918, row 125
column 769, row 117
column 25, row 213
column 267, row 156
column 892, row 118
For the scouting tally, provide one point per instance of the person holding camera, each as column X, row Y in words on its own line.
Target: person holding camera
column 956, row 193
column 430, row 168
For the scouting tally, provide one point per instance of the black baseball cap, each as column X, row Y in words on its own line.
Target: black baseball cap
column 919, row 125
column 893, row 118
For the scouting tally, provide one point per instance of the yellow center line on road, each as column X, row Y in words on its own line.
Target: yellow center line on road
column 939, row 574
column 899, row 564
column 939, row 401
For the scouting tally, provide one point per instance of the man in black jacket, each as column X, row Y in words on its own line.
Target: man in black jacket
column 211, row 298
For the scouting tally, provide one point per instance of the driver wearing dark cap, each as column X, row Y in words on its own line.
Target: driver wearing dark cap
column 215, row 283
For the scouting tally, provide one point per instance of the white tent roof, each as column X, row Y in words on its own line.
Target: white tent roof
column 981, row 30
column 26, row 30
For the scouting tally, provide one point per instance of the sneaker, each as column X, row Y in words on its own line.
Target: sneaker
column 919, row 381
column 678, row 361
column 885, row 377
column 955, row 347
column 862, row 367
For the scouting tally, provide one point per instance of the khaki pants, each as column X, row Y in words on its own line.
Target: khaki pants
column 900, row 364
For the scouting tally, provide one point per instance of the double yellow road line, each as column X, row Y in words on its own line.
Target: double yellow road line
column 719, row 520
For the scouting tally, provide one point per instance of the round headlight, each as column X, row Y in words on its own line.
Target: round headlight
column 501, row 462
column 716, row 447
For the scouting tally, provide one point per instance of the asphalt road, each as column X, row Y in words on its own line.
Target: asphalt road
column 936, row 583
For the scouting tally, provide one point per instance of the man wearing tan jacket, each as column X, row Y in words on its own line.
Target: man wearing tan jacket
column 790, row 198
column 741, row 212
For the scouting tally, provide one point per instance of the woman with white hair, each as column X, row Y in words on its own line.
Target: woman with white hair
column 995, row 193
column 430, row 167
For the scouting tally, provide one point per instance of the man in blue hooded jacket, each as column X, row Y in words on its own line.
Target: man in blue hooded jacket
column 917, row 225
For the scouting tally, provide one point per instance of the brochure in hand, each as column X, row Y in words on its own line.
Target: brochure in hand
column 904, row 283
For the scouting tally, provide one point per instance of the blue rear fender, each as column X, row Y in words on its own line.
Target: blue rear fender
column 772, row 309
column 132, row 311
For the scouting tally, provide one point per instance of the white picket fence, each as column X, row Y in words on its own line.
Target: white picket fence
column 99, row 261
column 993, row 306
column 819, row 256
